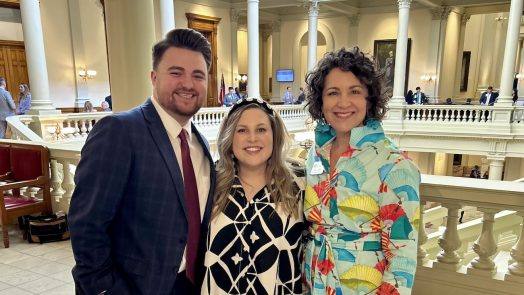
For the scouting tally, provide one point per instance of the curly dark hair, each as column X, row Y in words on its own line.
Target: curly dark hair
column 356, row 62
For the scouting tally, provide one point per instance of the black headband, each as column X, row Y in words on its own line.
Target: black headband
column 250, row 100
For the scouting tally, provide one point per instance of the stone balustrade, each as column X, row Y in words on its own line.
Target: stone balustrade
column 451, row 257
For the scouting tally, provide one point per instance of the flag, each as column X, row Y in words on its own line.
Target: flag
column 222, row 93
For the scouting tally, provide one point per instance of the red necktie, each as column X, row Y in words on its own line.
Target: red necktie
column 193, row 208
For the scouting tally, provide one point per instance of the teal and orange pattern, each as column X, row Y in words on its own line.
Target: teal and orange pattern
column 364, row 215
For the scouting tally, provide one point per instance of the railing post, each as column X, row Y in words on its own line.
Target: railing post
column 422, row 238
column 68, row 184
column 485, row 246
column 516, row 269
column 56, row 184
column 449, row 242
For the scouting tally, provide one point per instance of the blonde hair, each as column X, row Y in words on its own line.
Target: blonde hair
column 277, row 172
column 26, row 92
column 88, row 107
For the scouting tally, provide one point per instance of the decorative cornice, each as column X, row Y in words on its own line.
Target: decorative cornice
column 440, row 13
column 403, row 4
column 354, row 19
column 234, row 13
column 464, row 19
column 313, row 8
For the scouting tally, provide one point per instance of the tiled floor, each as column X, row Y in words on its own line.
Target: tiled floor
column 35, row 268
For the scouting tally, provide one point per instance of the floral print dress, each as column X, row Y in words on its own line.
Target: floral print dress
column 364, row 216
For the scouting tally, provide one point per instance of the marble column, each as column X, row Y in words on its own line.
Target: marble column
column 510, row 54
column 129, row 43
column 312, row 35
column 401, row 52
column 275, row 54
column 234, row 43
column 439, row 20
column 264, row 83
column 167, row 16
column 496, row 167
column 253, row 65
column 35, row 58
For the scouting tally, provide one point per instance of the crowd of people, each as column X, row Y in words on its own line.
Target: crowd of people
column 348, row 224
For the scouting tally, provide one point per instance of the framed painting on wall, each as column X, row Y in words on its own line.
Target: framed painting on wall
column 384, row 54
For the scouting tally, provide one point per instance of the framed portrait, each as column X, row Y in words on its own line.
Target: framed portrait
column 384, row 54
column 464, row 71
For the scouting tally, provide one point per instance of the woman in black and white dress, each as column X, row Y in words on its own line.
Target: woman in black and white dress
column 254, row 241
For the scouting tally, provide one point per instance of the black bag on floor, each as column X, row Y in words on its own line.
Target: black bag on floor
column 47, row 228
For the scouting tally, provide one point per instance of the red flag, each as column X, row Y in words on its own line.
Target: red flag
column 222, row 93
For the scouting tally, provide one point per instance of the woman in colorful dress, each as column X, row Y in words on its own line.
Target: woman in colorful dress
column 254, row 240
column 362, row 193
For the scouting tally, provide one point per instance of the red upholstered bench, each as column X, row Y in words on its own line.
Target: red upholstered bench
column 28, row 167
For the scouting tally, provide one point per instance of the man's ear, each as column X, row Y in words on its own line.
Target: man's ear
column 153, row 77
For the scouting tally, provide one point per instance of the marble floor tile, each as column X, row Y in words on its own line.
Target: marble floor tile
column 4, row 286
column 67, row 289
column 30, row 262
column 19, row 278
column 51, row 268
column 15, row 291
column 41, row 285
column 64, row 276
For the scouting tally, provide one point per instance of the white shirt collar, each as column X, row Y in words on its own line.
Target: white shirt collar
column 172, row 126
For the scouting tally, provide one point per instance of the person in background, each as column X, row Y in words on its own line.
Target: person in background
column 105, row 106
column 231, row 97
column 301, row 96
column 24, row 100
column 109, row 101
column 138, row 219
column 362, row 195
column 254, row 240
column 237, row 92
column 420, row 97
column 449, row 101
column 409, row 97
column 88, row 107
column 7, row 107
column 475, row 172
column 488, row 97
column 288, row 96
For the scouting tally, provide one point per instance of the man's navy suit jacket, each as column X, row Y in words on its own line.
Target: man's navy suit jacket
column 128, row 215
column 492, row 98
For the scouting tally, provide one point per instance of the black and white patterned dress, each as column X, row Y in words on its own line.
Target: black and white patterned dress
column 253, row 248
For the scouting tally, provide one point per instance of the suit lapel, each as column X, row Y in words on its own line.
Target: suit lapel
column 161, row 139
column 212, row 173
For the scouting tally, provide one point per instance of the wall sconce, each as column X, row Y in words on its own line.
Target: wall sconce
column 428, row 78
column 519, row 76
column 86, row 74
column 242, row 78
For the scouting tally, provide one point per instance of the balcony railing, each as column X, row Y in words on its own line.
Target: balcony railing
column 482, row 256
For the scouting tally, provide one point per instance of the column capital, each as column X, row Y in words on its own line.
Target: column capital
column 234, row 13
column 440, row 13
column 404, row 4
column 265, row 31
column 354, row 19
column 464, row 19
column 275, row 26
column 313, row 8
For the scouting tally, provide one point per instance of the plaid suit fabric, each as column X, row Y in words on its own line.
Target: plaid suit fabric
column 127, row 214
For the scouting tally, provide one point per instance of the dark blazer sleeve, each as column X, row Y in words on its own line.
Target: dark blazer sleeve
column 101, row 179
